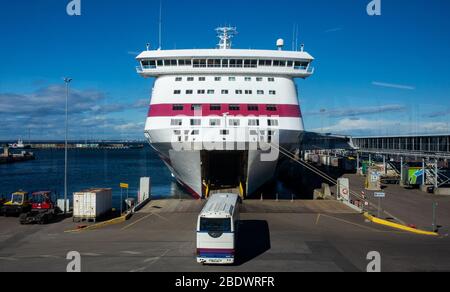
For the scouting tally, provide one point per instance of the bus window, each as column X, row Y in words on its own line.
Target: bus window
column 215, row 225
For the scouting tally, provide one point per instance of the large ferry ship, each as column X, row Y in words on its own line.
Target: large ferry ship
column 215, row 113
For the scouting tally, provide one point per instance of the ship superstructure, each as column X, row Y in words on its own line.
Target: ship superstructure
column 215, row 112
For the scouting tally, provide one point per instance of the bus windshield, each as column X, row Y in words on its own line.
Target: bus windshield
column 215, row 225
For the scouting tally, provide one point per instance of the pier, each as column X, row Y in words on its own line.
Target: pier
column 7, row 157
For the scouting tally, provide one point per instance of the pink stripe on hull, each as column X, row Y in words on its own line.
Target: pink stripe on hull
column 282, row 110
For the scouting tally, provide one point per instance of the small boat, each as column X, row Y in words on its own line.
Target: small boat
column 19, row 145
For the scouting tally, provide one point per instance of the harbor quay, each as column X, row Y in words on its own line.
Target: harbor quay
column 290, row 236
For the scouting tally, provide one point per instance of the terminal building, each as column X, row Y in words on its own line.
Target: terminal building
column 430, row 146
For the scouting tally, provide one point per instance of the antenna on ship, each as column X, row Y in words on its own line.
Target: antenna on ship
column 160, row 25
column 225, row 34
column 294, row 37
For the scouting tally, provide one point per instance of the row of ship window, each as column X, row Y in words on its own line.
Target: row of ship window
column 218, row 122
column 231, row 107
column 231, row 78
column 225, row 63
column 225, row 133
column 223, row 91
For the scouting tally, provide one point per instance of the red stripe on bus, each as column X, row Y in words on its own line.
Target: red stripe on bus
column 280, row 110
column 212, row 250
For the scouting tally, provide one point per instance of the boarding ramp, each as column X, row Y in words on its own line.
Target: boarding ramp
column 235, row 191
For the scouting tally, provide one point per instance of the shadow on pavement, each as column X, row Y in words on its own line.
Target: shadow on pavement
column 253, row 240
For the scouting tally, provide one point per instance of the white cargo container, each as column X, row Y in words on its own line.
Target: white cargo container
column 92, row 204
column 144, row 189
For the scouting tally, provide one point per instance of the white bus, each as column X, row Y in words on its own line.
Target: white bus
column 217, row 230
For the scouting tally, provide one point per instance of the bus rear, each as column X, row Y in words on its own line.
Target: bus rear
column 215, row 240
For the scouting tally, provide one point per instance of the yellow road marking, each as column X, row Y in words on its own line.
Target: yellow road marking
column 351, row 223
column 101, row 224
column 164, row 218
column 318, row 218
column 398, row 226
column 137, row 221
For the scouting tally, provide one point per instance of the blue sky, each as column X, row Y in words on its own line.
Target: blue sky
column 374, row 75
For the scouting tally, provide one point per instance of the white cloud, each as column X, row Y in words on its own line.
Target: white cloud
column 393, row 85
column 335, row 29
column 352, row 126
column 42, row 112
column 352, row 112
column 142, row 104
column 130, row 127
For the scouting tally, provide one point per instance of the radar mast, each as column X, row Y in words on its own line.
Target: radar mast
column 225, row 34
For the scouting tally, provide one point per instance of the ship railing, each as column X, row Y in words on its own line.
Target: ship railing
column 300, row 67
column 308, row 69
column 141, row 69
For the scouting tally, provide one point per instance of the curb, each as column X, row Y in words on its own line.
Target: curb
column 351, row 206
column 398, row 226
column 114, row 221
column 141, row 205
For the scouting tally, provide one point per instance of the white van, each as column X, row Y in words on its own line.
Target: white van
column 217, row 230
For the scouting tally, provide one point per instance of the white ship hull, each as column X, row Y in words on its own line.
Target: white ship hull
column 193, row 168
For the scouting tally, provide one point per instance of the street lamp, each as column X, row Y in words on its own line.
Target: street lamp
column 322, row 116
column 67, row 81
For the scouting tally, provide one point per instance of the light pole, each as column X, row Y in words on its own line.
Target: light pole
column 322, row 117
column 67, row 81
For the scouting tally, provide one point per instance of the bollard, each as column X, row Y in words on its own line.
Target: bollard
column 262, row 198
column 434, row 223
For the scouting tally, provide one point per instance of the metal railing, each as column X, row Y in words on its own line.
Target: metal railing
column 308, row 69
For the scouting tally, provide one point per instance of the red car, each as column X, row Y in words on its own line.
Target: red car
column 43, row 209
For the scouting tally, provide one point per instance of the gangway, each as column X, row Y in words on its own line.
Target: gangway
column 394, row 167
column 353, row 196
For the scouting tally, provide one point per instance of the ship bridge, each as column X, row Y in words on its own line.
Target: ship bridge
column 224, row 60
column 229, row 61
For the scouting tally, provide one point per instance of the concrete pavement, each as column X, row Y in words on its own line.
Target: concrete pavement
column 163, row 239
column 410, row 206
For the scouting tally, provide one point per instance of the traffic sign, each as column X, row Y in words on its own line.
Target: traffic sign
column 344, row 188
column 379, row 195
column 124, row 186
